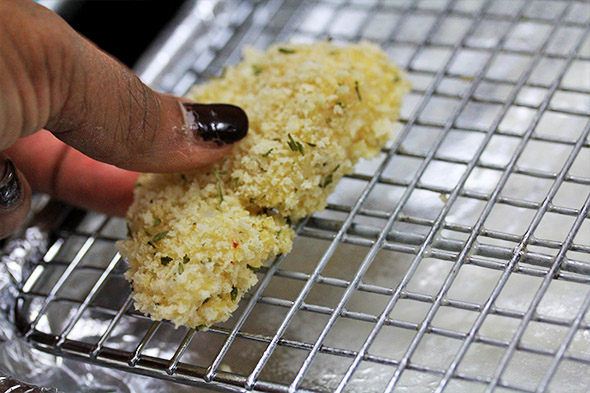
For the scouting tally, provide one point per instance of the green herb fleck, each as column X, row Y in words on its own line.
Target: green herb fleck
column 295, row 146
column 129, row 234
column 216, row 264
column 185, row 259
column 311, row 144
column 287, row 51
column 205, row 301
column 236, row 180
column 159, row 236
column 217, row 173
column 219, row 192
column 356, row 88
column 165, row 260
column 180, row 267
column 327, row 181
column 278, row 233
column 156, row 222
column 149, row 243
column 201, row 327
column 256, row 69
column 267, row 153
column 341, row 104
column 234, row 293
column 254, row 269
column 330, row 178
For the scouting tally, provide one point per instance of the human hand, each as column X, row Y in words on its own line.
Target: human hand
column 78, row 125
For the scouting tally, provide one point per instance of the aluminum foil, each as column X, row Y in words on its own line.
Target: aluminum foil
column 474, row 283
column 22, row 367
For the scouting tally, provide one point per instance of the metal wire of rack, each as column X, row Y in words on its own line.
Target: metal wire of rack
column 457, row 260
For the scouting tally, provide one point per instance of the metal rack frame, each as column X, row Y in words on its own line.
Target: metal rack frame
column 223, row 28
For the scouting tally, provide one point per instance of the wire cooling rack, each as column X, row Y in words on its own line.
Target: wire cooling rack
column 457, row 260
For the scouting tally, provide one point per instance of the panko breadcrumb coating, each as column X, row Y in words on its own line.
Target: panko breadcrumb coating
column 197, row 238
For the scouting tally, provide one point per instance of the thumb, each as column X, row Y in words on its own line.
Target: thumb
column 101, row 108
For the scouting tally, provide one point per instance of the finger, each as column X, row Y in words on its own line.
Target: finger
column 63, row 172
column 15, row 197
column 95, row 104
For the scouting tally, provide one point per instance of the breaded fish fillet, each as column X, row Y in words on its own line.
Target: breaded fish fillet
column 314, row 110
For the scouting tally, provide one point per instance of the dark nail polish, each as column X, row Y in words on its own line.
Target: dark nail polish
column 218, row 123
column 10, row 190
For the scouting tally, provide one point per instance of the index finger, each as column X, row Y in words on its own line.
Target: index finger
column 53, row 167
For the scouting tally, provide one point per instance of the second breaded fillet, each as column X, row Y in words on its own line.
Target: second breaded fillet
column 314, row 110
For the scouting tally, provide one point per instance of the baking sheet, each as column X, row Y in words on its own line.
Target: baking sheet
column 480, row 89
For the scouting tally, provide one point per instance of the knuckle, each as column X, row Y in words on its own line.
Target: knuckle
column 140, row 124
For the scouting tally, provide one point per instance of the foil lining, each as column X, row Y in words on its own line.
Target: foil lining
column 561, row 302
column 23, row 367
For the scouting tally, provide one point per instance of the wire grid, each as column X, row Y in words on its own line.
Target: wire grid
column 495, row 78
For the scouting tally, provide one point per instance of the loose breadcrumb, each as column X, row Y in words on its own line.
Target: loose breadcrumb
column 196, row 239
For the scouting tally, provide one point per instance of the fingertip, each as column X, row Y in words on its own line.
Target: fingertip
column 220, row 124
column 189, row 135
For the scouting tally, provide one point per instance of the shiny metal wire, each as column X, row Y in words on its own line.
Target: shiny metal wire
column 210, row 35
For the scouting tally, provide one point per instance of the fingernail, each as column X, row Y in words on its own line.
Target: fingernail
column 10, row 190
column 218, row 123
